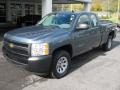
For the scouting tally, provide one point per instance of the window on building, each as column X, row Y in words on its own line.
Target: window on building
column 16, row 11
column 29, row 9
column 2, row 13
column 68, row 7
column 39, row 9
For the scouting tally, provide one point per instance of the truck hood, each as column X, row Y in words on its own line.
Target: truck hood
column 34, row 33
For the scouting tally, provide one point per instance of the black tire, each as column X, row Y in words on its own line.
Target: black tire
column 108, row 45
column 57, row 57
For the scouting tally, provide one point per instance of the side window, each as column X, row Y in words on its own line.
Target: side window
column 84, row 19
column 94, row 21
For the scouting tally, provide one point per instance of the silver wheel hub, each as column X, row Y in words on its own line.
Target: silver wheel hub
column 62, row 65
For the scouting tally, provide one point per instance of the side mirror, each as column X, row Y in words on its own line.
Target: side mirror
column 82, row 26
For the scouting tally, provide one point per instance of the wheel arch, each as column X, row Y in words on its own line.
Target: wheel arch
column 67, row 48
column 112, row 33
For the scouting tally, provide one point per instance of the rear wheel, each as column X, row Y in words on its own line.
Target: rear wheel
column 61, row 64
column 108, row 45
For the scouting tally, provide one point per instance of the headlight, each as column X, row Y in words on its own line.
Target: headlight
column 39, row 49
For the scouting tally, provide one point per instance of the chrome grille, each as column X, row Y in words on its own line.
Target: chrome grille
column 18, row 52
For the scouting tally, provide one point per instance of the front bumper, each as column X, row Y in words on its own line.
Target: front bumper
column 40, row 65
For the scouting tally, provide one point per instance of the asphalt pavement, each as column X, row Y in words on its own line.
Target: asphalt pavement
column 94, row 70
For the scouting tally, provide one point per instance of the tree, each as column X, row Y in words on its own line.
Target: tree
column 109, row 5
column 96, row 5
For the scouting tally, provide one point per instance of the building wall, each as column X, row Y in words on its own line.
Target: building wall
column 16, row 8
column 37, row 1
column 2, row 12
column 71, row 1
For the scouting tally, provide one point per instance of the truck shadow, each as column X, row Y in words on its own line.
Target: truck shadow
column 85, row 58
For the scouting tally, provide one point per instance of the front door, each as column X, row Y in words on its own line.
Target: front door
column 82, row 38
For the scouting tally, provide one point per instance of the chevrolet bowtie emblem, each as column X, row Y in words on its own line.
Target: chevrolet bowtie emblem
column 11, row 45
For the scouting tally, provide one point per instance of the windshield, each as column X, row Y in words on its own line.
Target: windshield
column 61, row 20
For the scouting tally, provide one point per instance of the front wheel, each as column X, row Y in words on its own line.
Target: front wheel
column 61, row 64
column 108, row 45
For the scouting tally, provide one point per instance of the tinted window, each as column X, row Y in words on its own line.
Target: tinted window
column 94, row 21
column 84, row 19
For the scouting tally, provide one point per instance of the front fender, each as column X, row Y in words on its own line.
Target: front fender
column 60, row 41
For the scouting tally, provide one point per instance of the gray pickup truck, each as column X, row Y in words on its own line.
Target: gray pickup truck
column 47, row 47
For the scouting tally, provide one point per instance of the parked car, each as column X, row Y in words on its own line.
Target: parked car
column 28, row 20
column 47, row 48
column 105, row 21
column 118, row 25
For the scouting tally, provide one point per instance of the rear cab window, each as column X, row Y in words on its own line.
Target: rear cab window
column 94, row 20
